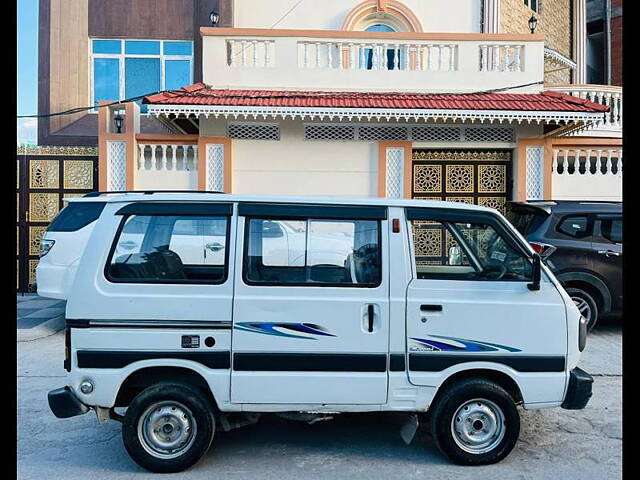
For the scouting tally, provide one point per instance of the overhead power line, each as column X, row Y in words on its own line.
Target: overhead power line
column 249, row 96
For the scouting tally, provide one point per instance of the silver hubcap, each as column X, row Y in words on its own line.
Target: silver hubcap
column 478, row 426
column 583, row 306
column 166, row 429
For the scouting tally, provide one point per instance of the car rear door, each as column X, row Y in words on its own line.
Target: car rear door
column 607, row 253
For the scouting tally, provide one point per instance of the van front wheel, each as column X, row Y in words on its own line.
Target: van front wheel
column 475, row 422
column 168, row 427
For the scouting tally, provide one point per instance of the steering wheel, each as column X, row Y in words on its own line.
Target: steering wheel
column 495, row 273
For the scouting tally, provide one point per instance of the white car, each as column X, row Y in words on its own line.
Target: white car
column 198, row 313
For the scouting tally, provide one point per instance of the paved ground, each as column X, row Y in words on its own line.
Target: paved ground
column 554, row 443
column 38, row 317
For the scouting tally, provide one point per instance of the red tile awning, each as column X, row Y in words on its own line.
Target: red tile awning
column 548, row 101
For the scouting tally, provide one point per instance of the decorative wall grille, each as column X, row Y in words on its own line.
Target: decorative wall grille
column 435, row 134
column 535, row 173
column 116, row 166
column 383, row 133
column 215, row 167
column 395, row 172
column 488, row 134
column 254, row 131
column 416, row 133
column 320, row 131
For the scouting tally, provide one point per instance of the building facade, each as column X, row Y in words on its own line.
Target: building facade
column 375, row 97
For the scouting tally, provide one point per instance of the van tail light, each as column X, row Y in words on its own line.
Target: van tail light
column 543, row 249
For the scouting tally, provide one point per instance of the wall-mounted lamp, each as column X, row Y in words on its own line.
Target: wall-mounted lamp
column 533, row 23
column 117, row 121
column 214, row 18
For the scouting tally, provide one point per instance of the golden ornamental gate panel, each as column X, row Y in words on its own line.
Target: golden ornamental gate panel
column 45, row 176
column 478, row 177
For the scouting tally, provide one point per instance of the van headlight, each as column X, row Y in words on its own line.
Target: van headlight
column 45, row 246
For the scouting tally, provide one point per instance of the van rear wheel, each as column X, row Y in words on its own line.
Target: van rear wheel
column 168, row 427
column 475, row 422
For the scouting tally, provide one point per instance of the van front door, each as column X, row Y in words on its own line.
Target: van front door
column 311, row 305
column 469, row 302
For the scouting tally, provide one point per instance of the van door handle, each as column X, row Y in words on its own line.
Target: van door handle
column 609, row 253
column 430, row 308
column 371, row 314
column 214, row 247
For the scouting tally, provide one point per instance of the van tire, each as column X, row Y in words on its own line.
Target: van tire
column 480, row 397
column 166, row 414
column 579, row 295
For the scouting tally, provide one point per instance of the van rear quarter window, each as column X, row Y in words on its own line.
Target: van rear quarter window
column 75, row 216
column 170, row 249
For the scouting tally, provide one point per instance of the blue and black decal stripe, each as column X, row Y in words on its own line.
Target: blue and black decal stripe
column 436, row 362
column 309, row 362
column 120, row 359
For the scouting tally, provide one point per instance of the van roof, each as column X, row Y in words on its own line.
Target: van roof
column 221, row 197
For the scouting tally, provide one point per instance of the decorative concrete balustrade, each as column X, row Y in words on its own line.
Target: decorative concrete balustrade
column 371, row 61
column 166, row 166
column 611, row 96
column 587, row 174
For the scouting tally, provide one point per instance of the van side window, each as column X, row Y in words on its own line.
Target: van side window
column 170, row 249
column 312, row 252
column 465, row 251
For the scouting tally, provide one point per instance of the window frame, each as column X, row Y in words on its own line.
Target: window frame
column 122, row 56
column 587, row 233
column 609, row 218
column 116, row 238
column 308, row 218
column 537, row 7
column 449, row 216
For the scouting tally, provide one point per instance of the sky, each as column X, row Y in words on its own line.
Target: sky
column 27, row 69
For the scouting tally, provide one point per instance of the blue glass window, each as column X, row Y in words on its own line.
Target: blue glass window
column 136, row 47
column 106, row 79
column 177, row 74
column 107, row 46
column 142, row 77
column 178, row 48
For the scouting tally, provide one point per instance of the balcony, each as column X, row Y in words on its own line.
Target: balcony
column 580, row 173
column 371, row 61
column 611, row 96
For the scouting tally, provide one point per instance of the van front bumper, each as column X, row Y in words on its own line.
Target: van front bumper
column 64, row 404
column 579, row 390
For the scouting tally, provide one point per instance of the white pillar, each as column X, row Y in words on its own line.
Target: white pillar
column 491, row 17
column 214, row 167
column 394, row 173
column 580, row 40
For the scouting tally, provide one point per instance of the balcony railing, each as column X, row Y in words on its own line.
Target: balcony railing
column 371, row 61
column 587, row 174
column 162, row 164
column 611, row 96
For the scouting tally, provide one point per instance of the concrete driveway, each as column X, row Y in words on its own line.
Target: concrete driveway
column 554, row 444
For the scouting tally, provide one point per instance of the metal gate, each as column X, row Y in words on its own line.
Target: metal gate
column 479, row 177
column 45, row 176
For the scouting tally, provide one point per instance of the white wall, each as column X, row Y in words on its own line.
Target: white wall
column 434, row 15
column 294, row 166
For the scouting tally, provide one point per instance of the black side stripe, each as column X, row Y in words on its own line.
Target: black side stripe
column 120, row 359
column 396, row 362
column 186, row 324
column 309, row 362
column 436, row 362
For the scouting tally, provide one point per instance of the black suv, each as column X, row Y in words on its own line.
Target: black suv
column 581, row 242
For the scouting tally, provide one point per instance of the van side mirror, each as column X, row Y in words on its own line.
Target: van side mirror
column 535, row 273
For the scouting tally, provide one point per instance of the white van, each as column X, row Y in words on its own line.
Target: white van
column 199, row 312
